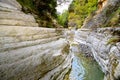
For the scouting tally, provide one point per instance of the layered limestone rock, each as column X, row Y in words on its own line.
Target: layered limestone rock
column 28, row 52
column 11, row 15
column 106, row 8
column 32, row 53
column 10, row 4
column 105, row 53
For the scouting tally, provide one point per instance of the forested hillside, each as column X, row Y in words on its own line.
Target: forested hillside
column 79, row 10
column 43, row 11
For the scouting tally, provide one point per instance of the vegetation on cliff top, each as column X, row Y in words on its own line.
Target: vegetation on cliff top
column 63, row 19
column 115, row 20
column 43, row 10
column 79, row 10
column 45, row 13
column 85, row 12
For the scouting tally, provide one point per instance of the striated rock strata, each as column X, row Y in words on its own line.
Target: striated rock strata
column 106, row 54
column 28, row 52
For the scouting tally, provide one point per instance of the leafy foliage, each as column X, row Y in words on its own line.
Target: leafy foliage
column 113, row 40
column 63, row 18
column 28, row 5
column 115, row 20
column 43, row 10
column 79, row 10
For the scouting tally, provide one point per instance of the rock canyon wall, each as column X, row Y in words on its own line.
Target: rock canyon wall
column 28, row 52
column 105, row 53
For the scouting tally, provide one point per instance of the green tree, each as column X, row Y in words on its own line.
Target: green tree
column 63, row 19
column 79, row 10
column 43, row 10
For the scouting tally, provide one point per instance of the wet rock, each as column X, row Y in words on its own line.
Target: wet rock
column 85, row 50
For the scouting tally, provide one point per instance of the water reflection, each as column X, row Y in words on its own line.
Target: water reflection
column 78, row 71
column 84, row 68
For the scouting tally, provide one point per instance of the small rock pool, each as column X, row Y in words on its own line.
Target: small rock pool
column 84, row 68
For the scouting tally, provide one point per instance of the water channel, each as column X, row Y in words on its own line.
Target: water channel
column 84, row 68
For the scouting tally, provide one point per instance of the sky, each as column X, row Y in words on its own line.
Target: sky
column 63, row 6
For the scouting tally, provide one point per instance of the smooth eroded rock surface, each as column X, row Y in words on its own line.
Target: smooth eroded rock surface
column 107, row 55
column 29, row 52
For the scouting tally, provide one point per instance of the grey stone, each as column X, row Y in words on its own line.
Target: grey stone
column 12, row 4
column 107, row 55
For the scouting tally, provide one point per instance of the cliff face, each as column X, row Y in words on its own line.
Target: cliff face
column 28, row 52
column 106, row 8
column 107, row 55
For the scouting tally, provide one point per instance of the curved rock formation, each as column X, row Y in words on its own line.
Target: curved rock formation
column 28, row 52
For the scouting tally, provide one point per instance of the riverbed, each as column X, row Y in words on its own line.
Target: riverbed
column 83, row 68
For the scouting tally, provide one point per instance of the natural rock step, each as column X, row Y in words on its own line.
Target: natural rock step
column 4, row 5
column 22, row 53
column 16, row 16
column 11, row 31
column 37, row 64
column 7, row 47
column 12, row 3
column 17, row 23
column 6, row 40
column 8, row 10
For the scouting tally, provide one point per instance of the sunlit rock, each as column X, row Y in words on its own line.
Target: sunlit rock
column 29, row 52
column 107, row 55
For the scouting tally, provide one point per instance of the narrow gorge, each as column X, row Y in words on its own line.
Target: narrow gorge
column 30, row 52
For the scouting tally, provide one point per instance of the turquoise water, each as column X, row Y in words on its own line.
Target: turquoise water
column 85, row 69
column 78, row 71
